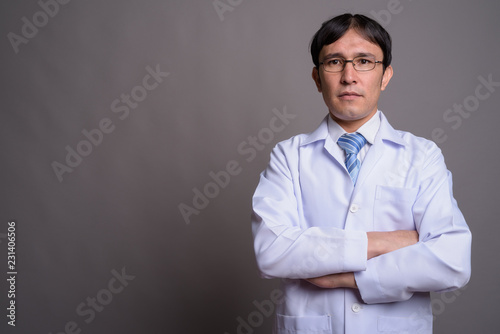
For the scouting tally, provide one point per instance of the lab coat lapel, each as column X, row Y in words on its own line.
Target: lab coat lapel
column 332, row 148
column 321, row 133
column 372, row 158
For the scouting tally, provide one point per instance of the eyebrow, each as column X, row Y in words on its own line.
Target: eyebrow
column 340, row 55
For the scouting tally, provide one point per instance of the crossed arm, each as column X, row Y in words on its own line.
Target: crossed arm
column 377, row 263
column 378, row 243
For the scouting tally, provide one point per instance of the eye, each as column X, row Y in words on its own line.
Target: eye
column 334, row 61
column 364, row 61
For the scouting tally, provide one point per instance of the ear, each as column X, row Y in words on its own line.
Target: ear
column 386, row 77
column 317, row 79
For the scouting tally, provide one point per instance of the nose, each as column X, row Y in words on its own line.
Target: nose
column 349, row 74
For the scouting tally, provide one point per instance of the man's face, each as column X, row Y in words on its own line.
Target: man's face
column 351, row 96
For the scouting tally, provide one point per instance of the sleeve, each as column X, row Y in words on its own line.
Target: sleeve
column 440, row 261
column 286, row 247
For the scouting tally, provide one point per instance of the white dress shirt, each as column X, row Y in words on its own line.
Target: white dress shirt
column 368, row 130
column 309, row 220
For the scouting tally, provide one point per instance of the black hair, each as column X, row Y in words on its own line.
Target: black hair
column 336, row 27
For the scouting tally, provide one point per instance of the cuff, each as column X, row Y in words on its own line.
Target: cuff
column 355, row 251
column 368, row 283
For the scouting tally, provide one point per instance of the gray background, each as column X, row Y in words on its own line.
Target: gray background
column 119, row 208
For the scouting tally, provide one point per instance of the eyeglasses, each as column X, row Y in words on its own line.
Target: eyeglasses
column 360, row 64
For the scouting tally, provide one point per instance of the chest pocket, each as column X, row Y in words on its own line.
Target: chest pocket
column 303, row 325
column 393, row 208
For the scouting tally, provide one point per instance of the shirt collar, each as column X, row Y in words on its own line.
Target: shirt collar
column 386, row 131
column 368, row 130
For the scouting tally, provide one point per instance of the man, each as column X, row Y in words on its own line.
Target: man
column 359, row 227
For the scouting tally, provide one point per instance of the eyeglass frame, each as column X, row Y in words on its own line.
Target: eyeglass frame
column 375, row 62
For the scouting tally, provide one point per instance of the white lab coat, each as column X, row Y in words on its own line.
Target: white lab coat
column 309, row 221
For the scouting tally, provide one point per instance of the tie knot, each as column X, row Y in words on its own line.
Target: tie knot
column 352, row 142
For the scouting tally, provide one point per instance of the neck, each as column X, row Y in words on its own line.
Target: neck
column 351, row 126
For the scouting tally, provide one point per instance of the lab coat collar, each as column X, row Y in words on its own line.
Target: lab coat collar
column 385, row 133
column 388, row 133
column 321, row 133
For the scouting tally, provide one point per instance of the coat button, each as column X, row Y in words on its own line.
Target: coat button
column 356, row 307
column 354, row 208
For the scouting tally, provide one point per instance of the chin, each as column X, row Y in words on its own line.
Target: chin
column 348, row 115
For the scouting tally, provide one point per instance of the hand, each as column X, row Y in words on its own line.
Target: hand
column 378, row 243
column 333, row 281
column 384, row 242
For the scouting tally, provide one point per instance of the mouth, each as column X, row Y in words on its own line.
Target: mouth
column 349, row 95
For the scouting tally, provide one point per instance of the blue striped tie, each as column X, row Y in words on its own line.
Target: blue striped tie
column 351, row 143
